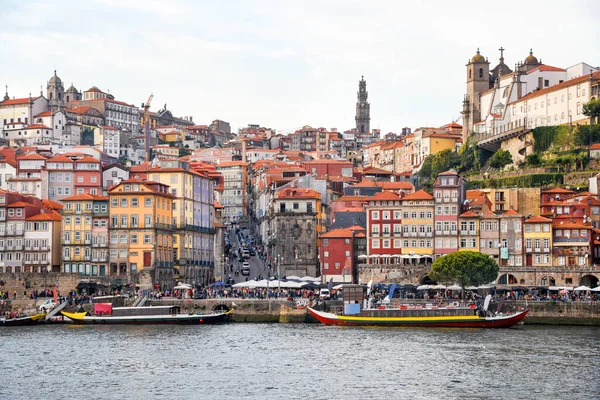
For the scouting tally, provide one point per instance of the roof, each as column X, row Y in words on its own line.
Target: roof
column 38, row 126
column 385, row 196
column 558, row 190
column 294, row 193
column 217, row 205
column 22, row 204
column 85, row 196
column 51, row 216
column 564, row 84
column 557, row 223
column 546, row 68
column 33, row 156
column 60, row 158
column 337, row 233
column 44, row 114
column 88, row 160
column 469, row 214
column 537, row 219
column 418, row 195
column 595, row 146
column 24, row 100
column 398, row 185
column 511, row 212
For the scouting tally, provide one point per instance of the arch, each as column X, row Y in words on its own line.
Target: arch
column 589, row 281
column 507, row 279
column 426, row 280
column 548, row 281
column 481, row 72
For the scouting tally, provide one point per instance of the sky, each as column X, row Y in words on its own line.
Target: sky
column 286, row 64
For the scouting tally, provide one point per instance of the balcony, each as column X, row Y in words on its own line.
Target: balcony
column 18, row 247
column 446, row 232
column 473, row 233
column 36, row 248
column 538, row 250
column 87, row 258
column 375, row 234
column 413, row 234
column 386, row 233
column 422, row 234
column 463, row 233
column 66, row 257
column 453, row 232
column 44, row 248
column 397, row 234
column 94, row 244
column 546, row 250
column 9, row 248
column 528, row 250
column 429, row 234
column 95, row 259
column 27, row 248
column 87, row 241
column 44, row 262
column 2, row 248
column 19, row 232
column 66, row 242
column 2, row 233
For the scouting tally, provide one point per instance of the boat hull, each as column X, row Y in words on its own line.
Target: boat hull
column 23, row 321
column 428, row 321
column 180, row 319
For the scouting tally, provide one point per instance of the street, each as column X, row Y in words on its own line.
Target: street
column 257, row 266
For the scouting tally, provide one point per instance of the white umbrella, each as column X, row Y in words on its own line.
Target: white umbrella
column 338, row 287
column 182, row 287
column 471, row 288
column 582, row 289
column 484, row 287
column 596, row 289
column 363, row 256
column 423, row 287
column 437, row 287
column 293, row 278
column 250, row 283
column 310, row 278
column 455, row 287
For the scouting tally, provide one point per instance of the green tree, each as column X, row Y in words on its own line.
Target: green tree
column 464, row 268
column 425, row 171
column 533, row 160
column 592, row 109
column 501, row 159
column 443, row 161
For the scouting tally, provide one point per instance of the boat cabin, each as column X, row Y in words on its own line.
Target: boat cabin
column 109, row 310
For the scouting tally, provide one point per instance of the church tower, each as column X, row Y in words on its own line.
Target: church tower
column 55, row 93
column 478, row 80
column 363, row 108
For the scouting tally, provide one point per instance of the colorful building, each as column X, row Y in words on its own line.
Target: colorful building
column 141, row 230
column 384, row 219
column 339, row 252
column 449, row 191
column 85, row 236
column 416, row 228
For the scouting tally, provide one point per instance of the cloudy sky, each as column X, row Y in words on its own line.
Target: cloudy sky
column 285, row 64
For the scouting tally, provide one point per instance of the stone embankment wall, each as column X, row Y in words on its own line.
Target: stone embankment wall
column 29, row 282
column 559, row 313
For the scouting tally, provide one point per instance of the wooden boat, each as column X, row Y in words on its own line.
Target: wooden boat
column 106, row 314
column 455, row 315
column 440, row 317
column 22, row 321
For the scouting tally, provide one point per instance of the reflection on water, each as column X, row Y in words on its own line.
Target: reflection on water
column 292, row 361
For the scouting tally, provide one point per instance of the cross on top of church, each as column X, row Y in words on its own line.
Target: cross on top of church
column 501, row 53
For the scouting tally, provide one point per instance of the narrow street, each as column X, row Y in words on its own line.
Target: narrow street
column 257, row 266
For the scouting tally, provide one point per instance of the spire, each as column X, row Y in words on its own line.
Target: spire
column 41, row 90
column 6, row 94
column 501, row 55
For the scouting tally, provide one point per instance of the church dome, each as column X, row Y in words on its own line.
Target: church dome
column 478, row 58
column 55, row 79
column 72, row 89
column 531, row 60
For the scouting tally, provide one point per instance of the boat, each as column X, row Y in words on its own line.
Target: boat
column 453, row 315
column 106, row 314
column 22, row 321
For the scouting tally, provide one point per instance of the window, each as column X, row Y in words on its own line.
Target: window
column 147, row 238
column 375, row 243
column 148, row 201
column 386, row 215
column 114, row 202
column 325, row 242
column 374, row 214
column 124, row 202
column 134, row 238
column 134, row 202
column 296, row 206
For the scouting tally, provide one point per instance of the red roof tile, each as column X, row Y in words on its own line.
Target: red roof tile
column 537, row 219
column 385, row 196
column 52, row 216
column 418, row 195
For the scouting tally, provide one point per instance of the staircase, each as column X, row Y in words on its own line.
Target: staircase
column 56, row 310
column 140, row 301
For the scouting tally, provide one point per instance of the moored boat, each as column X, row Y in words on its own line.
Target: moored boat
column 455, row 315
column 22, row 321
column 106, row 314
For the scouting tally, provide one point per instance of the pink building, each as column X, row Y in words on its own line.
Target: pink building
column 88, row 176
column 449, row 192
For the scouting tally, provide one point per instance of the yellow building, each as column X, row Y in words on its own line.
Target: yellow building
column 417, row 227
column 193, row 219
column 141, row 230
column 537, row 237
column 468, row 231
column 85, row 235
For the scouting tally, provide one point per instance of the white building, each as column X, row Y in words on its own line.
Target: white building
column 113, row 174
column 253, row 155
column 108, row 139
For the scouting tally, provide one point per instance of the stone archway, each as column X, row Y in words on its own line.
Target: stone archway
column 507, row 279
column 426, row 280
column 590, row 281
column 548, row 281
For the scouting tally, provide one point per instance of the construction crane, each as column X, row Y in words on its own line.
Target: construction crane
column 146, row 108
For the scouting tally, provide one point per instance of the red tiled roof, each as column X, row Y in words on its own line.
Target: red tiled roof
column 21, row 204
column 51, row 216
column 44, row 114
column 398, row 185
column 294, row 193
column 33, row 156
column 511, row 212
column 469, row 214
column 60, row 158
column 537, row 219
column 24, row 100
column 385, row 196
column 38, row 126
column 546, row 68
column 337, row 233
column 418, row 195
column 595, row 146
column 217, row 205
column 564, row 84
column 85, row 196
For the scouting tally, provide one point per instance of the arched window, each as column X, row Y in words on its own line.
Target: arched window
column 50, row 96
column 470, row 73
column 481, row 72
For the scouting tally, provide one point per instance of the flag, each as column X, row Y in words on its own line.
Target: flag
column 330, row 286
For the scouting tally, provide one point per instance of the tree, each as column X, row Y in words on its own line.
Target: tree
column 592, row 109
column 533, row 160
column 501, row 159
column 464, row 268
column 443, row 161
column 425, row 171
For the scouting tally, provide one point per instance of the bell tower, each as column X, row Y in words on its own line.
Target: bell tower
column 478, row 80
column 363, row 108
column 56, row 93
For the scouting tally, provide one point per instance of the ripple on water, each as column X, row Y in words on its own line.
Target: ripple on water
column 288, row 361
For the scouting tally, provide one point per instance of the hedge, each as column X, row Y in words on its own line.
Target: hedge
column 533, row 180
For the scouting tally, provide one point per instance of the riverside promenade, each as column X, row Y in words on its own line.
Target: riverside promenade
column 250, row 310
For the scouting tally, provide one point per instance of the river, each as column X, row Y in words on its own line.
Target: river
column 297, row 361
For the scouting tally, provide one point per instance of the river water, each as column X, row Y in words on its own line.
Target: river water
column 297, row 361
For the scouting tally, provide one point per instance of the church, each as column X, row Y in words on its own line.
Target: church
column 502, row 104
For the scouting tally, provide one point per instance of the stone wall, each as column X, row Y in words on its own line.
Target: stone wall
column 29, row 282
